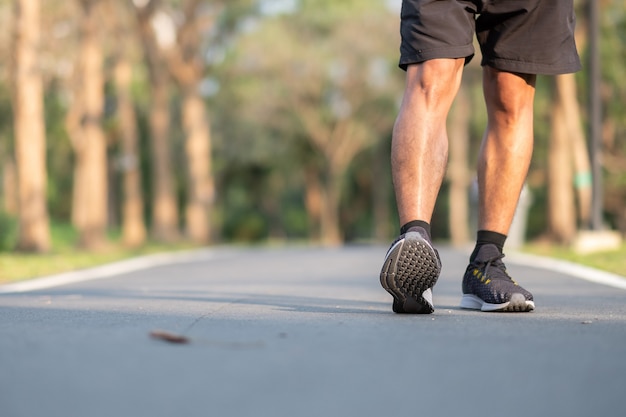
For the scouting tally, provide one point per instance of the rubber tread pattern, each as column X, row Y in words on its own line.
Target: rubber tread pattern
column 411, row 267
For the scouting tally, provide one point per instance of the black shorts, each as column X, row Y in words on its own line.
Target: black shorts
column 524, row 36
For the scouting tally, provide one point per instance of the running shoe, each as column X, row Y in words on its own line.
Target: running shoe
column 411, row 269
column 488, row 287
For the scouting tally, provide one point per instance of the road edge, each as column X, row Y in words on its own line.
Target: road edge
column 108, row 270
column 569, row 268
column 150, row 261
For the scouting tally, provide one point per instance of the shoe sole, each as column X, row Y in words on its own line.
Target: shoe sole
column 517, row 304
column 411, row 267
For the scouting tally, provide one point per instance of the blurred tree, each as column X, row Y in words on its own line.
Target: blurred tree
column 179, row 37
column 561, row 213
column 156, row 31
column 133, row 224
column 458, row 173
column 30, row 136
column 84, row 124
column 8, row 176
column 314, row 76
column 569, row 165
column 187, row 66
column 613, row 93
column 281, row 84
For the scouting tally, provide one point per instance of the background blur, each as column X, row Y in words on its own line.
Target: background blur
column 125, row 122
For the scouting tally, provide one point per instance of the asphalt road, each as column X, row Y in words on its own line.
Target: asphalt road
column 306, row 332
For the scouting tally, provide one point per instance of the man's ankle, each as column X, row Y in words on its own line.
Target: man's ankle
column 484, row 237
column 416, row 223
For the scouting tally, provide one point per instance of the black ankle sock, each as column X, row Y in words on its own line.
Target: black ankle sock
column 414, row 223
column 484, row 237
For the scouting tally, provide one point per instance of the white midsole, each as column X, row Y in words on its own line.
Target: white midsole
column 472, row 302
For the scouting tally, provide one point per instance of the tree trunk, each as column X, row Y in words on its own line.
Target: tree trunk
column 187, row 67
column 30, row 140
column 458, row 171
column 561, row 209
column 201, row 189
column 164, row 204
column 329, row 221
column 90, row 174
column 338, row 145
column 566, row 90
column 133, row 226
column 313, row 197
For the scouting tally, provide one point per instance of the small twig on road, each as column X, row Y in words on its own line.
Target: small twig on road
column 169, row 337
column 180, row 339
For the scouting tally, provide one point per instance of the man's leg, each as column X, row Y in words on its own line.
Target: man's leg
column 502, row 168
column 507, row 146
column 419, row 149
column 419, row 155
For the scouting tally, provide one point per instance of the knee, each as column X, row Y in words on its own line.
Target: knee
column 508, row 96
column 435, row 80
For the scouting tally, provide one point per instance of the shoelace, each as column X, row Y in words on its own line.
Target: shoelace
column 498, row 265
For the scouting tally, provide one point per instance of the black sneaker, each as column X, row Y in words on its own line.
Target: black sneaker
column 410, row 270
column 487, row 286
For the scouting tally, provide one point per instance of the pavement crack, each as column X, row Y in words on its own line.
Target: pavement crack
column 209, row 314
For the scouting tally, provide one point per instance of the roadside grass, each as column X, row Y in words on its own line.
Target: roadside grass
column 65, row 256
column 611, row 261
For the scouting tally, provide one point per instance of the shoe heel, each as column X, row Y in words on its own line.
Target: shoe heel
column 412, row 306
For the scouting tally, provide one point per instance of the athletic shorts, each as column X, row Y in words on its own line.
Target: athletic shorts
column 523, row 36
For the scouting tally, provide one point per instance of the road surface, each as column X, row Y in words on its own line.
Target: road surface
column 306, row 332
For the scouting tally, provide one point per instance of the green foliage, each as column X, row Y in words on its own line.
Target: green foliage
column 59, row 155
column 281, row 71
column 6, row 129
column 8, row 232
column 63, row 236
